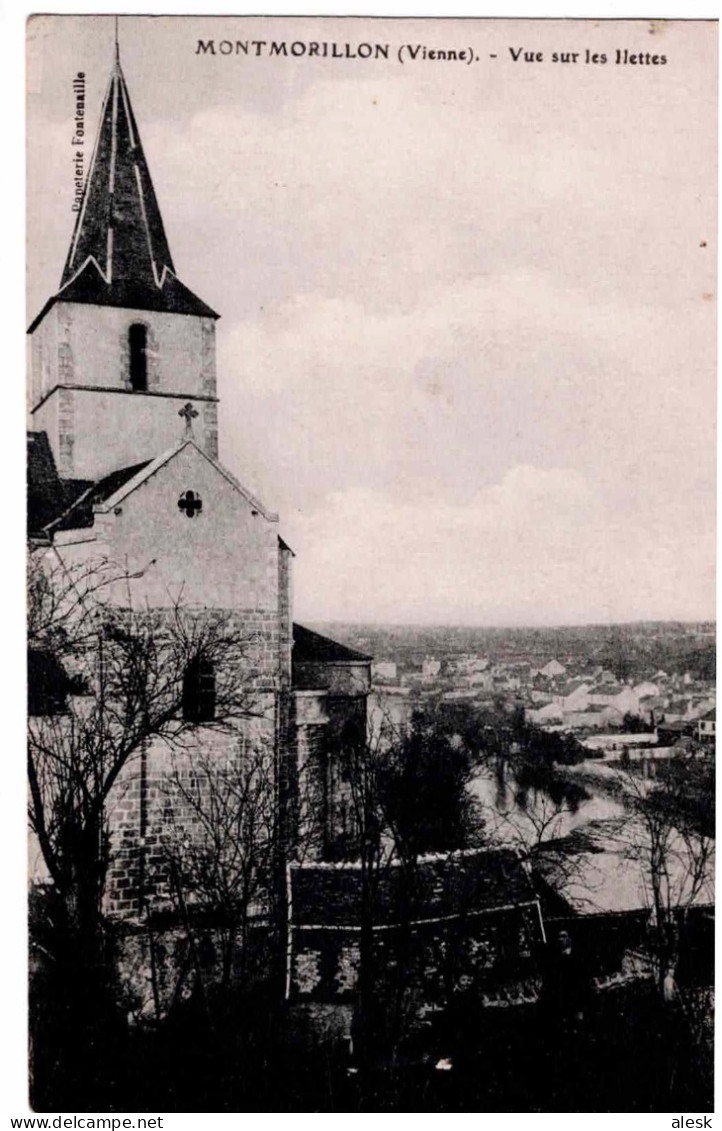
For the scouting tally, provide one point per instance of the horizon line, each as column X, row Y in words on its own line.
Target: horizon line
column 514, row 626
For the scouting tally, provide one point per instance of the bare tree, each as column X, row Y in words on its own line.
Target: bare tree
column 357, row 776
column 674, row 850
column 537, row 827
column 529, row 827
column 410, row 796
column 125, row 677
column 219, row 847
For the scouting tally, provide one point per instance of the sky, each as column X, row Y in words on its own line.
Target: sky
column 467, row 344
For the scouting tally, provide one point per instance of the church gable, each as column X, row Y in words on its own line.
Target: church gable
column 209, row 540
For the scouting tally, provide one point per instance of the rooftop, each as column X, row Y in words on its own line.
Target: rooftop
column 119, row 253
column 448, row 884
column 311, row 647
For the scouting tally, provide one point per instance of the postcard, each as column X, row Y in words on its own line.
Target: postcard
column 371, row 547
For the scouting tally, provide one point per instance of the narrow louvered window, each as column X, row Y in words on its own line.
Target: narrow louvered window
column 138, row 343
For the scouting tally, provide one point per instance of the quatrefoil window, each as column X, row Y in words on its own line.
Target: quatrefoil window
column 190, row 503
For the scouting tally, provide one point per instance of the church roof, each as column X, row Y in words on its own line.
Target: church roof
column 48, row 496
column 80, row 515
column 45, row 494
column 119, row 253
column 312, row 647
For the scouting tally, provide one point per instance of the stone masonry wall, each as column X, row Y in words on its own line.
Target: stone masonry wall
column 149, row 819
column 308, row 750
column 143, row 810
column 80, row 353
column 181, row 349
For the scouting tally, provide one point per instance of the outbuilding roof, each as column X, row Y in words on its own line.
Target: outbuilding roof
column 80, row 515
column 446, row 885
column 312, row 647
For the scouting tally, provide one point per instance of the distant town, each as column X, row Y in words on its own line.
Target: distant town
column 612, row 687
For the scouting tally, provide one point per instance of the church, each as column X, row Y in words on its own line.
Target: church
column 123, row 467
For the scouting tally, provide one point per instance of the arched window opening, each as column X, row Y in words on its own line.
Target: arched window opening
column 199, row 692
column 138, row 345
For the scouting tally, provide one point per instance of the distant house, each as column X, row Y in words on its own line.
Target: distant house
column 627, row 702
column 483, row 680
column 389, row 710
column 645, row 689
column 553, row 669
column 606, row 677
column 697, row 708
column 670, row 732
column 574, row 696
column 540, row 695
column 411, row 679
column 707, row 726
column 460, row 694
column 551, row 713
column 430, row 668
column 470, row 663
column 594, row 718
column 383, row 669
column 651, row 707
column 612, row 742
column 616, row 695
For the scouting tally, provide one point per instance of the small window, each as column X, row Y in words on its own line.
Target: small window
column 199, row 692
column 49, row 685
column 138, row 344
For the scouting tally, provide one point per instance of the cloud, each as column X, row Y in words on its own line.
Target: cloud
column 537, row 547
column 323, row 393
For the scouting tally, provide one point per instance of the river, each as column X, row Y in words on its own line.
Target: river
column 606, row 866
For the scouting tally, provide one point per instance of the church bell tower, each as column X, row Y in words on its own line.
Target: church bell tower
column 124, row 345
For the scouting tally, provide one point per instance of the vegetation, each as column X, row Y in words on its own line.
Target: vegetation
column 410, row 795
column 670, row 837
column 125, row 685
column 106, row 682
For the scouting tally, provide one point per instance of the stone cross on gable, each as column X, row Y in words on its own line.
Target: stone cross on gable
column 189, row 414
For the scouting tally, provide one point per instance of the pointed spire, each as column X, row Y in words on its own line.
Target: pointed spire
column 119, row 253
column 119, row 225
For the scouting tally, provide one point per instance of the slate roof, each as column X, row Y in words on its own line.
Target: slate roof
column 64, row 504
column 79, row 515
column 450, row 884
column 45, row 494
column 119, row 253
column 312, row 648
column 48, row 496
